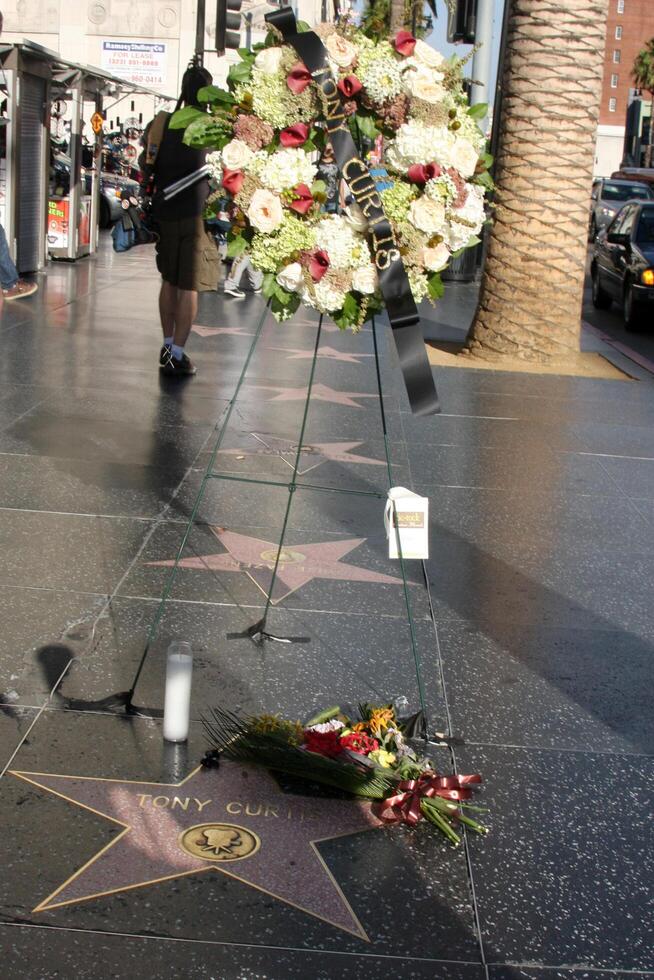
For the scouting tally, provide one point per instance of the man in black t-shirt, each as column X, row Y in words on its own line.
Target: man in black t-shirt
column 187, row 255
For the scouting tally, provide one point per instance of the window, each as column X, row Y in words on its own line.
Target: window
column 620, row 6
column 645, row 233
column 613, row 104
column 629, row 219
column 617, row 56
column 614, row 82
column 618, row 33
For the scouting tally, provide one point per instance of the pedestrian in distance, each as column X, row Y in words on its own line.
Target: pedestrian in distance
column 187, row 254
column 13, row 287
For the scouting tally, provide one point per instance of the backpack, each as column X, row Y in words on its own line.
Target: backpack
column 130, row 229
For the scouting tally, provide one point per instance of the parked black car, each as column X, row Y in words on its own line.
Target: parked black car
column 622, row 266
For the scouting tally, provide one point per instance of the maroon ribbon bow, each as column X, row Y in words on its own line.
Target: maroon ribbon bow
column 404, row 806
column 294, row 135
column 298, row 78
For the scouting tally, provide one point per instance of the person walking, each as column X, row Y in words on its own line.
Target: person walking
column 187, row 255
column 242, row 267
column 13, row 287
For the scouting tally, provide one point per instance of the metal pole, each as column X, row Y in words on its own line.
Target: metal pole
column 482, row 60
column 199, row 32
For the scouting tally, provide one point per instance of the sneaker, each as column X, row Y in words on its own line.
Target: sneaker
column 21, row 289
column 165, row 355
column 234, row 291
column 181, row 368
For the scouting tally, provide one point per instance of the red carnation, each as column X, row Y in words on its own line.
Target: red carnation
column 420, row 173
column 318, row 263
column 359, row 742
column 404, row 43
column 233, row 180
column 298, row 78
column 303, row 200
column 294, row 135
column 324, row 743
column 349, row 86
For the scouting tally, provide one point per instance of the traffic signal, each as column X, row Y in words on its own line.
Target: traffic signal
column 461, row 22
column 228, row 24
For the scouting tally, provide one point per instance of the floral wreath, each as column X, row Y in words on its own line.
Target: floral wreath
column 400, row 96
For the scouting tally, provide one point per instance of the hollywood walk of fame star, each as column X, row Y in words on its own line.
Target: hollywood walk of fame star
column 220, row 331
column 319, row 393
column 234, row 820
column 298, row 564
column 315, row 454
column 299, row 354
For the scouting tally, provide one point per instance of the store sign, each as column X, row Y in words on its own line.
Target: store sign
column 141, row 64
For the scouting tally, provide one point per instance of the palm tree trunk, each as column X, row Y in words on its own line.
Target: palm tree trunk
column 397, row 15
column 533, row 280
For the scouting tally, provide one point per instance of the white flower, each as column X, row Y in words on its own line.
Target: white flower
column 325, row 297
column 364, row 279
column 355, row 218
column 265, row 211
column 269, row 60
column 416, row 142
column 436, row 258
column 463, row 157
column 284, row 169
column 340, row 50
column 425, row 88
column 382, row 80
column 425, row 55
column 236, row 155
column 215, row 161
column 427, row 214
column 290, row 277
column 419, row 284
column 327, row 726
column 346, row 248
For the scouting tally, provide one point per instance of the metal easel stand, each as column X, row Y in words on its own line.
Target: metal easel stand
column 258, row 632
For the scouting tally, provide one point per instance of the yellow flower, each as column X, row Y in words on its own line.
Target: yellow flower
column 383, row 758
column 381, row 718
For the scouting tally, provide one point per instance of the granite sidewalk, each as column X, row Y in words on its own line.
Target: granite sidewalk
column 534, row 628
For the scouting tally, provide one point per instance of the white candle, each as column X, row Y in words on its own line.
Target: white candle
column 177, row 698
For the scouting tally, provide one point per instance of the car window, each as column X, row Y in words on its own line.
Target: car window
column 628, row 220
column 624, row 192
column 645, row 231
column 615, row 227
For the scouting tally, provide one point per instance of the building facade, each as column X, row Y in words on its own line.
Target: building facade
column 630, row 24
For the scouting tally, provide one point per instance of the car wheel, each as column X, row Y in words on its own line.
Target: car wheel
column 592, row 231
column 601, row 300
column 105, row 214
column 631, row 309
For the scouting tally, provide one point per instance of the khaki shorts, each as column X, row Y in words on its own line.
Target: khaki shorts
column 187, row 255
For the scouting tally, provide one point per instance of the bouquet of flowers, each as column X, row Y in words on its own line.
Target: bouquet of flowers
column 267, row 130
column 368, row 756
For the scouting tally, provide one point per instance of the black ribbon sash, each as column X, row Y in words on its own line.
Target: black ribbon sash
column 393, row 280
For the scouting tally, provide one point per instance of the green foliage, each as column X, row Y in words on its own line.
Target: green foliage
column 236, row 245
column 213, row 94
column 478, row 111
column 240, row 72
column 206, row 131
column 366, row 127
column 183, row 117
column 643, row 68
column 435, row 286
column 349, row 315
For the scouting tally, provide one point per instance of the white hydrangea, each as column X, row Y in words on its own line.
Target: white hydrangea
column 419, row 284
column 215, row 161
column 467, row 221
column 418, row 143
column 469, row 130
column 284, row 169
column 323, row 297
column 382, row 79
column 346, row 248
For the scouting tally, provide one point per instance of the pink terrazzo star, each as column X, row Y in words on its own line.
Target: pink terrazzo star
column 219, row 331
column 234, row 821
column 299, row 354
column 298, row 564
column 319, row 393
column 313, row 455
